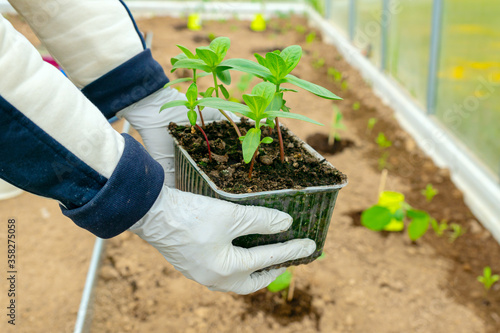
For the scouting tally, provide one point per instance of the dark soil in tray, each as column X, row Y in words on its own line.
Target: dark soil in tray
column 230, row 173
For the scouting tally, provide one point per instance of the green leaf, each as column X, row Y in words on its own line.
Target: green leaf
column 192, row 116
column 209, row 92
column 282, row 282
column 182, row 79
column 224, row 91
column 260, row 59
column 399, row 214
column 276, row 103
column 185, row 50
column 220, row 45
column 178, row 57
column 174, row 104
column 419, row 223
column 208, row 56
column 192, row 93
column 276, row 65
column 250, row 144
column 267, row 140
column 257, row 104
column 291, row 55
column 290, row 115
column 291, row 90
column 247, row 66
column 219, row 103
column 266, row 90
column 192, row 64
column 311, row 87
column 376, row 218
column 270, row 122
column 223, row 74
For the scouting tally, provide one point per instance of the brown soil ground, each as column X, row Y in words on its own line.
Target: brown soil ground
column 368, row 282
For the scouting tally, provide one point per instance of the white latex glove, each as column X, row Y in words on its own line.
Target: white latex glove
column 145, row 117
column 194, row 233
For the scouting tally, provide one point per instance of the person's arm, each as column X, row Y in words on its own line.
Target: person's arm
column 55, row 143
column 99, row 47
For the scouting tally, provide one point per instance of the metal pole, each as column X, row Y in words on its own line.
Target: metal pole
column 352, row 19
column 384, row 23
column 436, row 27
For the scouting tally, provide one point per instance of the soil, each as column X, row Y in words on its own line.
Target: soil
column 229, row 172
column 367, row 282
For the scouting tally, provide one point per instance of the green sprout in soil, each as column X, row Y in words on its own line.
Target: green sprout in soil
column 356, row 106
column 336, row 125
column 317, row 64
column 371, row 123
column 344, row 85
column 382, row 160
column 334, row 74
column 382, row 141
column 378, row 217
column 429, row 192
column 211, row 36
column 265, row 105
column 300, row 29
column 311, row 37
column 456, row 231
column 439, row 227
column 284, row 284
column 487, row 279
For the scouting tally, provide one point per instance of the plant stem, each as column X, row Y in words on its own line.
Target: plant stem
column 206, row 139
column 280, row 139
column 383, row 180
column 201, row 116
column 216, row 86
column 291, row 287
column 251, row 165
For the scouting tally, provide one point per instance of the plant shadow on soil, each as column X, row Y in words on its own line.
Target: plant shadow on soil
column 274, row 305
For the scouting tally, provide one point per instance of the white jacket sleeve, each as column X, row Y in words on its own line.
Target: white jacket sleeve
column 100, row 48
column 55, row 143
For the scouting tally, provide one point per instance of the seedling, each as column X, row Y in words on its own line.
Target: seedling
column 379, row 216
column 344, row 85
column 311, row 37
column 356, row 106
column 317, row 64
column 332, row 72
column 457, row 231
column 266, row 101
column 284, row 283
column 429, row 192
column 439, row 228
column 371, row 123
column 211, row 36
column 336, row 125
column 487, row 279
column 300, row 29
column 382, row 160
column 382, row 141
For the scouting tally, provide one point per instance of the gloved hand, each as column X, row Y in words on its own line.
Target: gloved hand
column 145, row 117
column 194, row 233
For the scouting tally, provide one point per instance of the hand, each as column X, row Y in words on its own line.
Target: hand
column 145, row 117
column 194, row 233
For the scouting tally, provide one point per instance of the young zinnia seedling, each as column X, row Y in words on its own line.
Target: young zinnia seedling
column 487, row 279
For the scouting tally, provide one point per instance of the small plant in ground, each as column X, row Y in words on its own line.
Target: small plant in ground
column 456, row 231
column 429, row 192
column 300, row 29
column 487, row 279
column 211, row 36
column 356, row 106
column 439, row 227
column 382, row 141
column 334, row 74
column 344, row 85
column 317, row 64
column 379, row 216
column 382, row 160
column 336, row 125
column 283, row 283
column 371, row 123
column 311, row 37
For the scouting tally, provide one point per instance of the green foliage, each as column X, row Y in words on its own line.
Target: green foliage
column 300, row 29
column 332, row 72
column 344, row 85
column 244, row 82
column 382, row 160
column 282, row 282
column 371, row 123
column 377, row 217
column 317, row 64
column 429, row 192
column 336, row 125
column 311, row 37
column 487, row 279
column 457, row 231
column 439, row 228
column 382, row 141
column 356, row 106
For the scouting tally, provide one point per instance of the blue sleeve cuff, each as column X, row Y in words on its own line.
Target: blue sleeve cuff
column 126, row 197
column 128, row 83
